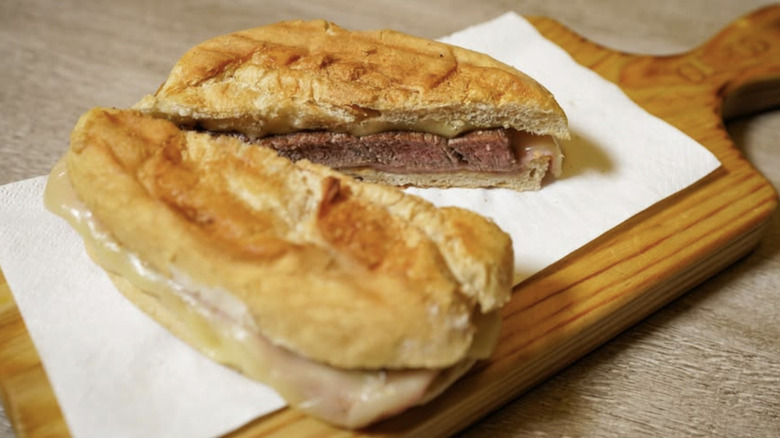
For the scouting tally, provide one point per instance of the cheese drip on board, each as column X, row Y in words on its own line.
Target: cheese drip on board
column 220, row 326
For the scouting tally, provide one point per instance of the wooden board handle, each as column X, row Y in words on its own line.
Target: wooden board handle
column 738, row 69
column 735, row 73
column 752, row 47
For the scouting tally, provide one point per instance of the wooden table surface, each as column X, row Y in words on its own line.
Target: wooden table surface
column 708, row 364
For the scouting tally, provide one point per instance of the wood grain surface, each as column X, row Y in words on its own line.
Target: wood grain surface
column 705, row 365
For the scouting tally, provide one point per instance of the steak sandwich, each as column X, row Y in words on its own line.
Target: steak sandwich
column 235, row 206
column 355, row 301
column 377, row 105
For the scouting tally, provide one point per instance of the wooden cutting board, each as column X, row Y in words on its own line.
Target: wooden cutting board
column 592, row 295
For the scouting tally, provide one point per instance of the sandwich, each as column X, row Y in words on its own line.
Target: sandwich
column 354, row 300
column 381, row 106
column 249, row 206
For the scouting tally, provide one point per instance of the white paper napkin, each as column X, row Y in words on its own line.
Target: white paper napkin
column 117, row 373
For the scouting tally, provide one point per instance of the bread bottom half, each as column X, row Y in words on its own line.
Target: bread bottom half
column 346, row 398
column 529, row 179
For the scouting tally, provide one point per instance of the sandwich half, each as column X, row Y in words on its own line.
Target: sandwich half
column 381, row 106
column 355, row 301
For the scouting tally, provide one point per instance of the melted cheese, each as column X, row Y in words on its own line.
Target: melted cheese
column 220, row 326
column 532, row 147
column 291, row 123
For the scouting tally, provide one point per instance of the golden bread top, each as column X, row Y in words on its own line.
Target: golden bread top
column 314, row 75
column 351, row 274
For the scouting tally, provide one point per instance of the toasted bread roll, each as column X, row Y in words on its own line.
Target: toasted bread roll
column 304, row 76
column 314, row 256
column 308, row 75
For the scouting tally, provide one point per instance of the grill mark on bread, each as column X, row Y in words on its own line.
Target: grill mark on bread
column 331, row 192
column 326, row 60
column 352, row 228
column 219, row 59
column 293, row 59
column 449, row 73
column 170, row 175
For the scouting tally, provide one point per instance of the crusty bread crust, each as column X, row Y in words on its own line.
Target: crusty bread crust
column 351, row 274
column 303, row 75
column 529, row 179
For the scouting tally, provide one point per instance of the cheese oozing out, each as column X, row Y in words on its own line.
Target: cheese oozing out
column 220, row 326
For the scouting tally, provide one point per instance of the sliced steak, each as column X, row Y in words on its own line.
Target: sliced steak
column 402, row 151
